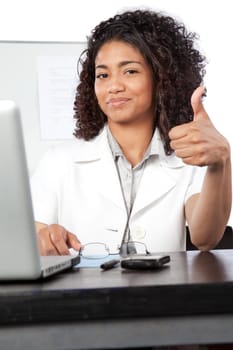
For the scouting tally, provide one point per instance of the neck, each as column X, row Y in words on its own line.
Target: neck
column 133, row 140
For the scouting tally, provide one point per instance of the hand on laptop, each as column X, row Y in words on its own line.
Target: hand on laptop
column 56, row 240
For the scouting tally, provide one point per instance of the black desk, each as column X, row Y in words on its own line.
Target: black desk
column 188, row 302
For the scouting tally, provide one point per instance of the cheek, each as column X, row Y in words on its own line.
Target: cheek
column 98, row 93
column 145, row 93
column 100, row 98
column 141, row 87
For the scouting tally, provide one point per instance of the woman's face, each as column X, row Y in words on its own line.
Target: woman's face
column 124, row 84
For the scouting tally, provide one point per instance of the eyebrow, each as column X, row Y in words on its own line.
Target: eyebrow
column 120, row 64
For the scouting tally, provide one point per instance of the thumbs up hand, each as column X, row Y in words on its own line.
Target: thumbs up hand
column 197, row 105
column 198, row 142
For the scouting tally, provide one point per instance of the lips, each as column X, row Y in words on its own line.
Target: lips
column 117, row 102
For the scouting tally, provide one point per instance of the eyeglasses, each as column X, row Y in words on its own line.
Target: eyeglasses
column 98, row 250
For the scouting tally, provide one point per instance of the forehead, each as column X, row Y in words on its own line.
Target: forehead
column 115, row 50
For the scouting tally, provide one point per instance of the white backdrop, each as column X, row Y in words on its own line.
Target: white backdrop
column 72, row 20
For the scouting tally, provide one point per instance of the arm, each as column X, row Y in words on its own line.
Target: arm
column 207, row 213
column 45, row 182
column 199, row 143
column 55, row 239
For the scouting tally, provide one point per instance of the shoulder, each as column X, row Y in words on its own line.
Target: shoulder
column 76, row 150
column 61, row 157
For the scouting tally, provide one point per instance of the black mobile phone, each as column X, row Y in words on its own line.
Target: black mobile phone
column 147, row 262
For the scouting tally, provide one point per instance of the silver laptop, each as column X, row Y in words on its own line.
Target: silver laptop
column 19, row 254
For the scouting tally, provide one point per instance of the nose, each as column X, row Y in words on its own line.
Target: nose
column 115, row 84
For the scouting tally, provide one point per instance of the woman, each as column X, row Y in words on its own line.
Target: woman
column 146, row 158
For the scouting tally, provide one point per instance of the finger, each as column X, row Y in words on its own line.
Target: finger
column 185, row 152
column 41, row 246
column 197, row 105
column 73, row 241
column 181, row 143
column 195, row 160
column 178, row 132
column 58, row 241
column 45, row 245
column 55, row 240
column 63, row 239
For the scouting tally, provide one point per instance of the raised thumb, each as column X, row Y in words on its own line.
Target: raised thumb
column 196, row 102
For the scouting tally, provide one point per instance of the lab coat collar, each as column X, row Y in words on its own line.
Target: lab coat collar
column 106, row 177
column 85, row 151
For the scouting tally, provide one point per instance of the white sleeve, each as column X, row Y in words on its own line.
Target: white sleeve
column 44, row 184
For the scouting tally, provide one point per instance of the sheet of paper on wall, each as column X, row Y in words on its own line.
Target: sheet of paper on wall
column 57, row 82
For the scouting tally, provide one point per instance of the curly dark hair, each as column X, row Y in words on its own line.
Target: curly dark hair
column 177, row 66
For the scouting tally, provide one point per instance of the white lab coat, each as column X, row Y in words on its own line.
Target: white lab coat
column 76, row 185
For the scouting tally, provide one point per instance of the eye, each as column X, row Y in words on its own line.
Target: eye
column 131, row 71
column 101, row 76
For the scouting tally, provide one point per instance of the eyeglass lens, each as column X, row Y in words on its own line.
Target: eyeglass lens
column 95, row 251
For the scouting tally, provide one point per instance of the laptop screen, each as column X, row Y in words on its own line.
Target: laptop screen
column 19, row 253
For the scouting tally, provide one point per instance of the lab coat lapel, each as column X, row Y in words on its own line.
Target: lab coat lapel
column 154, row 184
column 107, row 175
column 102, row 168
column 109, row 184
